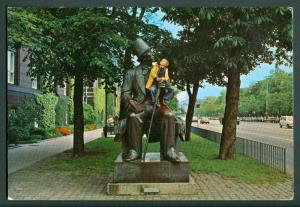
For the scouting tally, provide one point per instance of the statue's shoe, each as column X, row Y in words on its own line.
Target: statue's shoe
column 172, row 156
column 132, row 155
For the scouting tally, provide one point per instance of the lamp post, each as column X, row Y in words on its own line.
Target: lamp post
column 267, row 92
column 105, row 119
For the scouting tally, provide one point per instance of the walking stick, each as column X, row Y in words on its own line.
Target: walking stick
column 149, row 130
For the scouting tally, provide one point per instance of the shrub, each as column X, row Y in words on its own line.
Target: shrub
column 70, row 111
column 25, row 115
column 91, row 126
column 12, row 136
column 37, row 137
column 61, row 110
column 16, row 134
column 90, row 115
column 53, row 133
column 12, row 118
column 47, row 103
column 41, row 132
column 64, row 131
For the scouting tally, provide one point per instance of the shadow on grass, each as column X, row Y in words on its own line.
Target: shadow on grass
column 202, row 154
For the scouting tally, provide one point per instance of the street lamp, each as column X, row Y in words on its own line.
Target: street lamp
column 267, row 92
column 105, row 126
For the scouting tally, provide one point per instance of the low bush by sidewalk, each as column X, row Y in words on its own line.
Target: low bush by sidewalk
column 202, row 154
column 64, row 131
column 20, row 135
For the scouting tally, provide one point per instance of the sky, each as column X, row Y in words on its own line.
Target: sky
column 259, row 73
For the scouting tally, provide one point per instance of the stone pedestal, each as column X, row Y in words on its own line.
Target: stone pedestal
column 187, row 188
column 152, row 170
column 152, row 176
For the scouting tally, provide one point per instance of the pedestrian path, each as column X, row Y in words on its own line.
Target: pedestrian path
column 26, row 181
column 29, row 154
column 34, row 184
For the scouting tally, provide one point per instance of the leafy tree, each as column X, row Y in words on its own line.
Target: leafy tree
column 80, row 43
column 241, row 51
column 235, row 50
column 279, row 93
column 173, row 103
column 210, row 107
column 275, row 91
column 192, row 54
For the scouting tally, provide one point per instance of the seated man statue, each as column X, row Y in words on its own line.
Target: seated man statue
column 137, row 108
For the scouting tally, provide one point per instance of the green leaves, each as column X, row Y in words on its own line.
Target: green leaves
column 206, row 13
column 275, row 91
column 231, row 41
column 66, row 41
column 282, row 10
column 46, row 103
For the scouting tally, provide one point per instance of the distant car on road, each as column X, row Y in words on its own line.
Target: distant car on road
column 204, row 120
column 287, row 121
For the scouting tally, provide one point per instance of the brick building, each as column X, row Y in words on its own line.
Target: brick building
column 21, row 86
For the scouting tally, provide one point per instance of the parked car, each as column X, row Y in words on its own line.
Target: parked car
column 287, row 121
column 204, row 120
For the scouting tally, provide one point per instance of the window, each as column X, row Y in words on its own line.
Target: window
column 34, row 83
column 10, row 67
column 65, row 89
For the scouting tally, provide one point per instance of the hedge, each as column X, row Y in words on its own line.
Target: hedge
column 47, row 103
column 61, row 110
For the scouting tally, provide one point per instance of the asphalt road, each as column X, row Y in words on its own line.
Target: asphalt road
column 269, row 133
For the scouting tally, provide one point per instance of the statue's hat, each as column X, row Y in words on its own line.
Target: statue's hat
column 140, row 47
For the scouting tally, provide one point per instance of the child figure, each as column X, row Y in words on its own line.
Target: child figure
column 159, row 74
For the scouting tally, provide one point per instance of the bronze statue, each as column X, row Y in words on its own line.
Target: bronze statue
column 137, row 109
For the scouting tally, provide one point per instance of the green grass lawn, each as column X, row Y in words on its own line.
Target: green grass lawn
column 202, row 154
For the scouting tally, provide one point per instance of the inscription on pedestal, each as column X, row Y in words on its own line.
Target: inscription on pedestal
column 152, row 170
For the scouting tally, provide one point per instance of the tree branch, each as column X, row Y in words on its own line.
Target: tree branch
column 195, row 87
column 142, row 13
column 188, row 89
column 134, row 11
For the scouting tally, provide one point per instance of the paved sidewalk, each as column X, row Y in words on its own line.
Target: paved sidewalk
column 34, row 184
column 28, row 181
column 29, row 154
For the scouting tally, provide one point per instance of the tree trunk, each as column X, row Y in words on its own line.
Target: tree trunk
column 78, row 144
column 227, row 146
column 190, row 110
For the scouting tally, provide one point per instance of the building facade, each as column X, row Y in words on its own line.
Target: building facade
column 20, row 86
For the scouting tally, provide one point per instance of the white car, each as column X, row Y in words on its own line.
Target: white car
column 287, row 121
